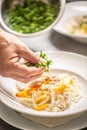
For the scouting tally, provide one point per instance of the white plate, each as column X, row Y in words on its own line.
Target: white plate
column 72, row 9
column 72, row 63
column 14, row 119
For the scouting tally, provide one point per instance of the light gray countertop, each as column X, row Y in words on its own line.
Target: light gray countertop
column 54, row 41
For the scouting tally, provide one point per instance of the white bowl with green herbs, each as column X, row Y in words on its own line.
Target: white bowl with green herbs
column 29, row 18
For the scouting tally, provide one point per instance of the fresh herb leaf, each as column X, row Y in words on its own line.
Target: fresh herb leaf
column 45, row 64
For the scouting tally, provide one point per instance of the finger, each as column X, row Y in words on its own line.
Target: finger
column 23, row 79
column 42, row 60
column 27, row 54
column 23, row 70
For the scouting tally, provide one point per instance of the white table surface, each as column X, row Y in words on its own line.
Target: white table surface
column 54, row 41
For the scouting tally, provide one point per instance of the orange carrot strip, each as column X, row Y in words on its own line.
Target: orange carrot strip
column 40, row 99
column 71, row 81
column 22, row 94
column 41, row 107
column 61, row 88
column 84, row 27
column 25, row 93
column 47, row 81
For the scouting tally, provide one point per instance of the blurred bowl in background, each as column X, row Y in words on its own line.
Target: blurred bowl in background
column 74, row 21
column 30, row 18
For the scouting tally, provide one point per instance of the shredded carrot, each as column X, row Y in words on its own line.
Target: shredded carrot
column 84, row 27
column 22, row 94
column 40, row 99
column 25, row 93
column 61, row 88
column 41, row 107
column 71, row 81
column 47, row 81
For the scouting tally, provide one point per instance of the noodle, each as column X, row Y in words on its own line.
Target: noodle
column 51, row 92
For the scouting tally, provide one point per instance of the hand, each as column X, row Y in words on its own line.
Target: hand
column 11, row 51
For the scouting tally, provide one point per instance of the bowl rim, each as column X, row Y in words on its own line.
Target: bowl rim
column 4, row 26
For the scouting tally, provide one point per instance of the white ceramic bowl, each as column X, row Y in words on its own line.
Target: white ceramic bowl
column 63, row 62
column 4, row 6
column 73, row 9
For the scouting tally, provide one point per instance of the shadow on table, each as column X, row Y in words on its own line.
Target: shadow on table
column 67, row 44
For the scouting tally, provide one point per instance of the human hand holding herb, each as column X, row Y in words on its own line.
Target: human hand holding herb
column 11, row 51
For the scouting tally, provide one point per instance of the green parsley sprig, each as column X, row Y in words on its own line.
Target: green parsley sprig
column 44, row 64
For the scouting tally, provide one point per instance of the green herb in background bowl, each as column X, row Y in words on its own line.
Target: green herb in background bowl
column 31, row 16
column 44, row 64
